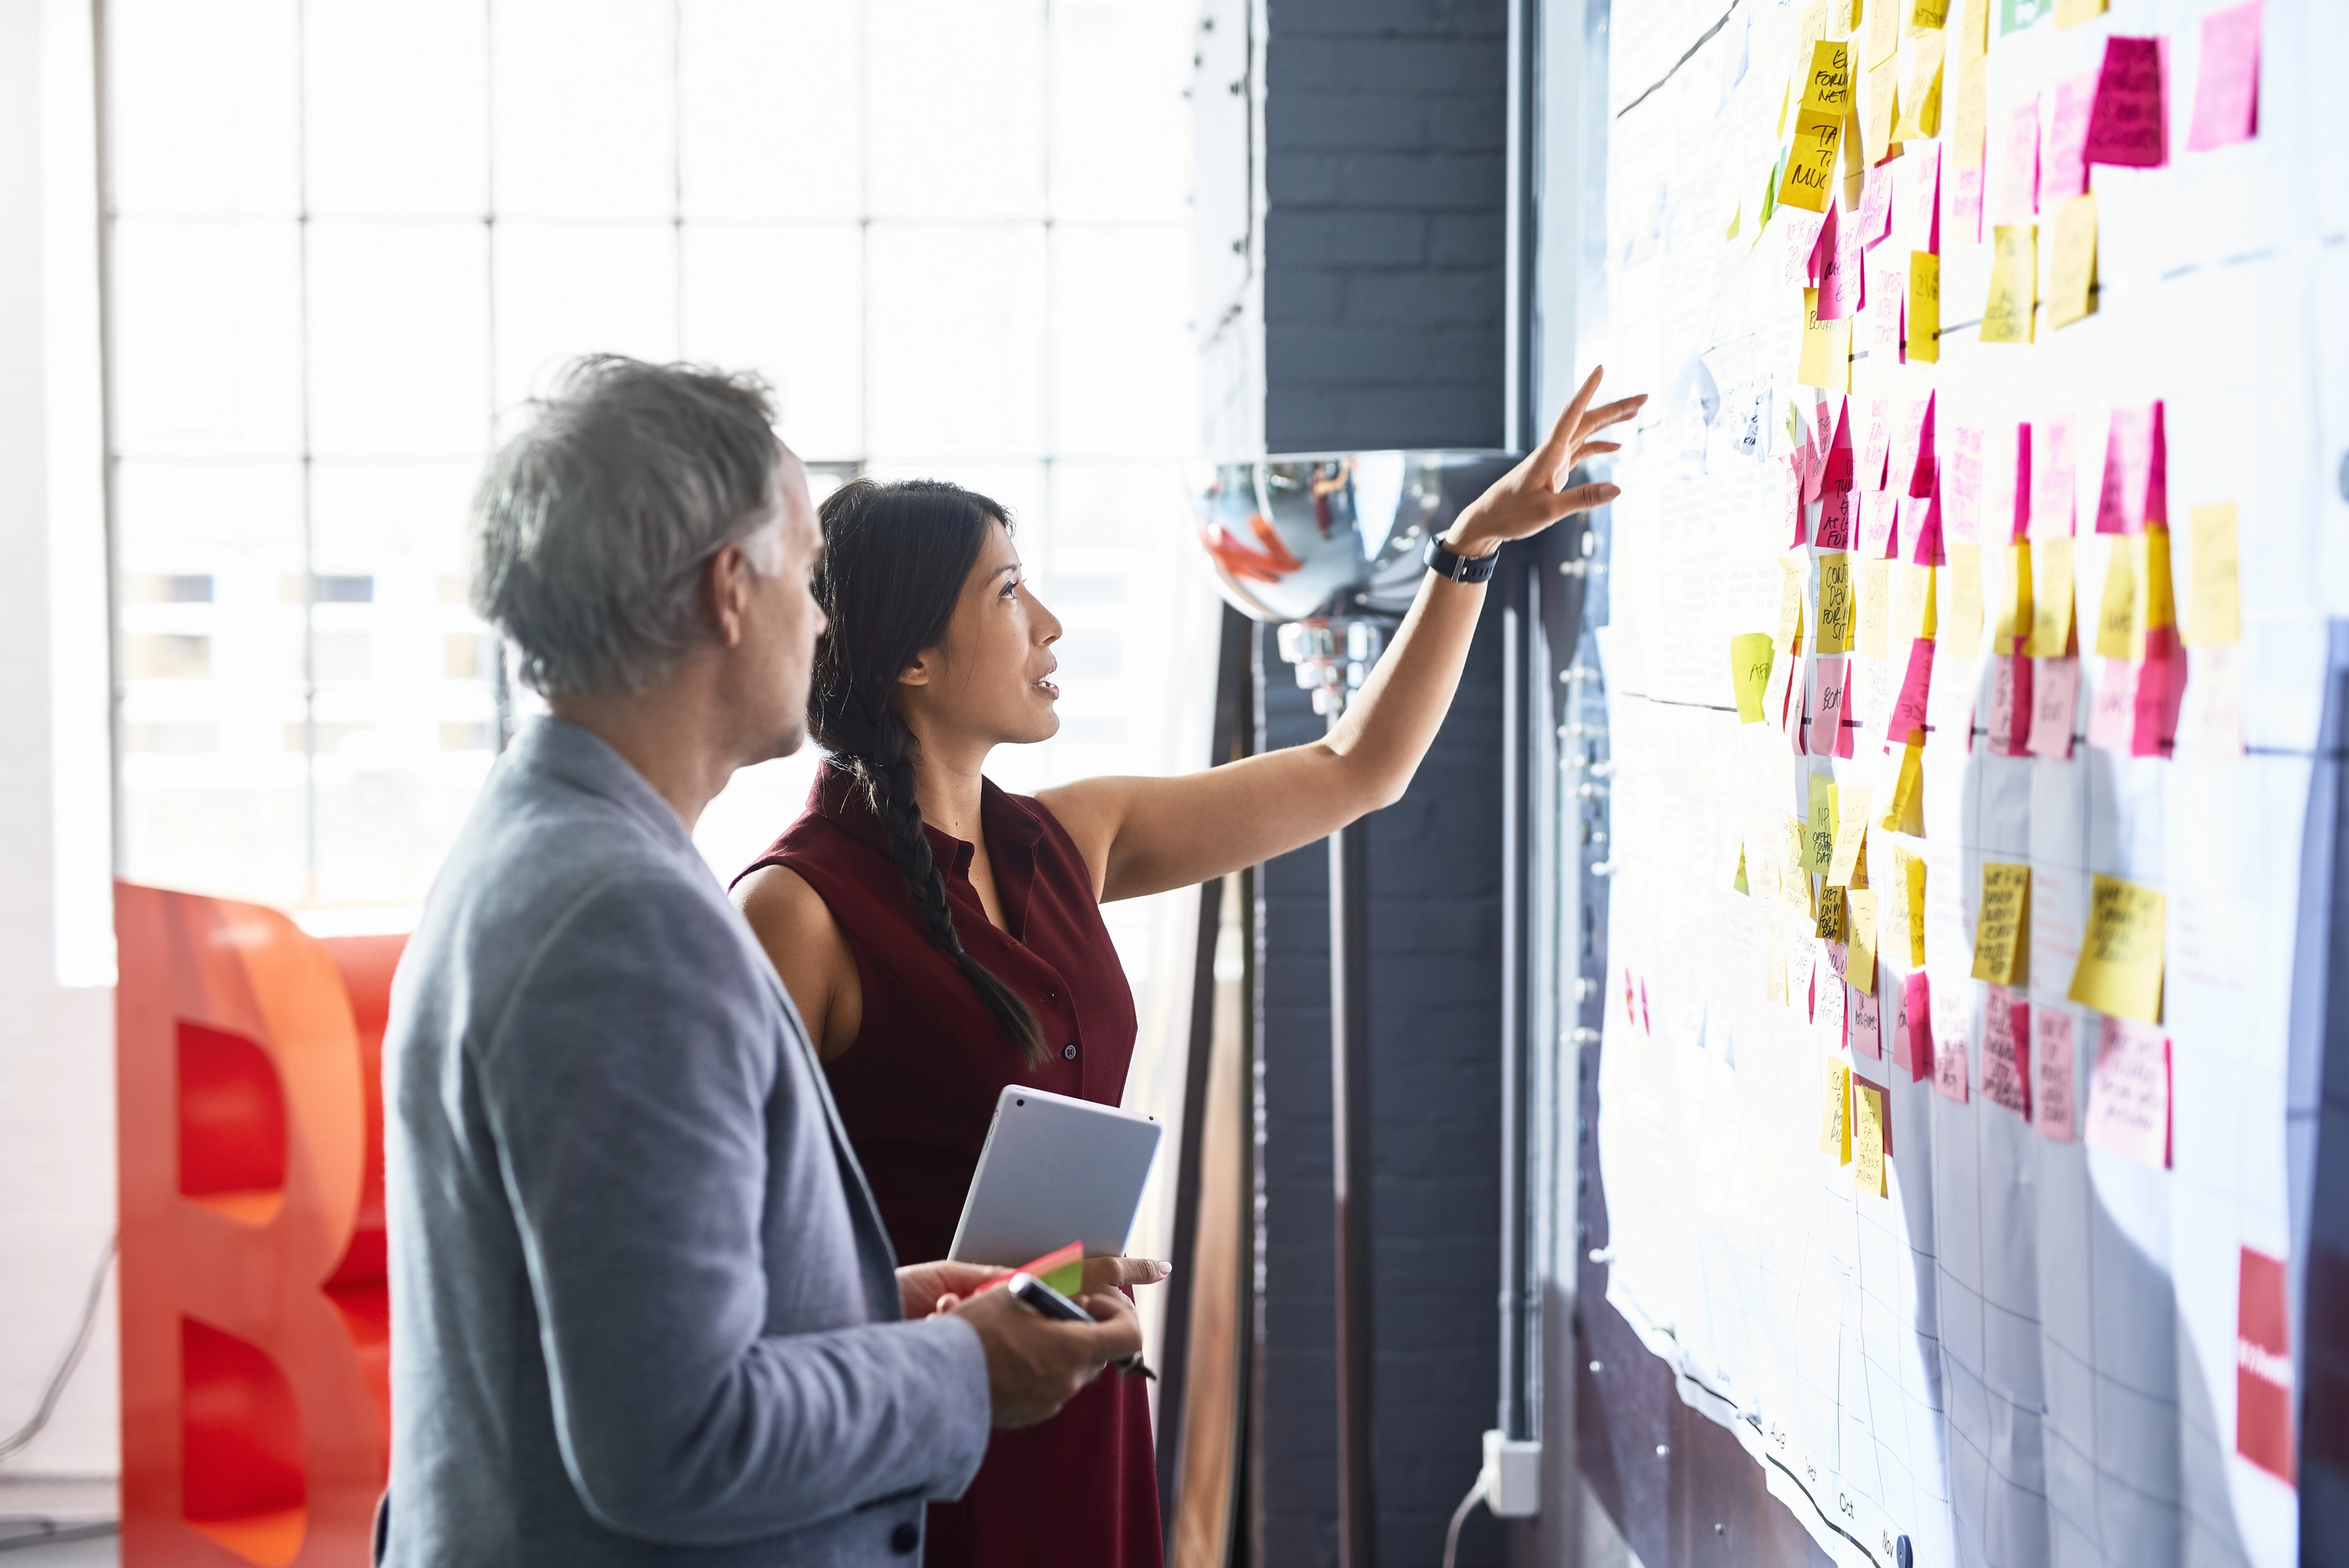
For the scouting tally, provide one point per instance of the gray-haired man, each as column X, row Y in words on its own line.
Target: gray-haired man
column 642, row 1307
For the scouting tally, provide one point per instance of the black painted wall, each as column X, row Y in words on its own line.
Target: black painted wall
column 1435, row 924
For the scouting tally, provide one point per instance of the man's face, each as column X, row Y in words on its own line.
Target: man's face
column 782, row 625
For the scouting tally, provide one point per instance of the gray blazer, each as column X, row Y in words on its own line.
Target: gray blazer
column 643, row 1309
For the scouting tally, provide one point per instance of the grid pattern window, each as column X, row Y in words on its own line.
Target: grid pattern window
column 348, row 240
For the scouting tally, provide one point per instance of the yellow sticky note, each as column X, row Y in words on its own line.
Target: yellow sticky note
column 1786, row 98
column 1904, row 809
column 1904, row 908
column 1793, row 873
column 1925, row 307
column 2119, row 970
column 2116, row 625
column 1827, row 349
column 1851, row 832
column 2014, row 609
column 1835, row 603
column 1875, row 607
column 1868, row 1138
column 1790, row 603
column 2072, row 269
column 1829, row 84
column 1859, row 903
column 2013, row 284
column 1881, row 33
column 1883, row 110
column 2212, row 599
column 2154, row 607
column 2072, row 13
column 1738, row 884
column 1835, row 1119
column 1961, row 608
column 1749, row 673
column 2051, row 599
column 1968, row 113
column 1819, row 832
column 1735, row 219
column 1912, row 604
column 2002, row 926
column 1921, row 105
column 1912, row 870
column 1923, row 13
column 1831, row 915
column 1973, row 30
column 1811, row 155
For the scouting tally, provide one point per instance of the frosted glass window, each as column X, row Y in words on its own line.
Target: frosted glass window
column 394, row 103
column 568, row 289
column 208, row 337
column 211, row 517
column 400, row 339
column 1120, row 114
column 955, row 351
column 955, row 113
column 583, row 101
column 205, row 101
column 365, row 517
column 788, row 302
column 1124, row 376
column 768, row 109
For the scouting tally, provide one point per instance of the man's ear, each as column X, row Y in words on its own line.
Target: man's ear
column 726, row 584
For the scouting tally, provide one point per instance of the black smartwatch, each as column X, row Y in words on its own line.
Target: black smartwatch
column 1459, row 568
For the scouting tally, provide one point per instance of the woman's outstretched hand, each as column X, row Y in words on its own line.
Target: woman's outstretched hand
column 1527, row 499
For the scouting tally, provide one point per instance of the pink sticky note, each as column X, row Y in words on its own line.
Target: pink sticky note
column 2128, row 1093
column 2136, row 479
column 1835, row 521
column 1966, row 206
column 1802, row 242
column 1888, row 314
column 2055, row 470
column 1962, row 486
column 2213, row 725
column 1838, row 474
column 1813, row 468
column 2160, row 688
column 2263, row 1377
column 1875, row 221
column 1828, row 988
column 1830, row 680
column 2227, row 90
column 2010, row 706
column 1925, row 196
column 1921, row 529
column 2051, row 1073
column 2127, row 124
column 1907, row 720
column 2055, row 698
column 1950, row 1067
column 2062, row 163
column 2006, row 484
column 1879, row 513
column 1777, row 694
column 1843, row 284
column 1874, row 446
column 1907, row 441
column 2113, row 716
column 1917, row 1028
column 1791, row 516
column 2006, row 1051
column 1866, row 1011
column 2018, row 164
column 1799, row 725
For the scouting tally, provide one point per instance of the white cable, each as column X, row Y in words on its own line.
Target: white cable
column 1460, row 1517
column 16, row 1440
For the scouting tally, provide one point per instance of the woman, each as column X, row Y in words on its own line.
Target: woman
column 942, row 938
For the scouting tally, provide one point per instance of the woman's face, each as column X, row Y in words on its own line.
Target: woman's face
column 989, row 681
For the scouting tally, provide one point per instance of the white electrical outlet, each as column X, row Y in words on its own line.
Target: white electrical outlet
column 1512, row 1477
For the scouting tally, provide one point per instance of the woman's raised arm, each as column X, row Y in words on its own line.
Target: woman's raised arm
column 1145, row 834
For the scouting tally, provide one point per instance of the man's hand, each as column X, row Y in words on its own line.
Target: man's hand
column 1035, row 1364
column 922, row 1287
column 1527, row 499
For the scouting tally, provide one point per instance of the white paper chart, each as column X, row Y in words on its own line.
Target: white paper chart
column 1969, row 644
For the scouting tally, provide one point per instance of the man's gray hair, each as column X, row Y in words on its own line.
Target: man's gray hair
column 592, row 528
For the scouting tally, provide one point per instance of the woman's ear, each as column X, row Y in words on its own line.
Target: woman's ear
column 916, row 673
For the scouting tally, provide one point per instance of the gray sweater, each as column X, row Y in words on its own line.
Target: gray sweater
column 643, row 1308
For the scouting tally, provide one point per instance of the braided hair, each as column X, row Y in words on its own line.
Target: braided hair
column 894, row 560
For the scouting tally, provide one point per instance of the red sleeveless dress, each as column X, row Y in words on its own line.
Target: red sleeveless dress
column 916, row 1091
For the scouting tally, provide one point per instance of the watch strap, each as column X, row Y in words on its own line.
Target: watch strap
column 1458, row 567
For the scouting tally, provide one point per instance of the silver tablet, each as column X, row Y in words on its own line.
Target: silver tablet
column 1054, row 1170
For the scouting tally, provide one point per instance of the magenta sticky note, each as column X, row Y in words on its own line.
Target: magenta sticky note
column 2051, row 1073
column 1834, row 532
column 1830, row 680
column 1925, row 195
column 1911, row 466
column 1907, row 720
column 2128, row 1093
column 2006, row 483
column 2064, row 160
column 1917, row 1026
column 1880, row 513
column 2054, row 702
column 1921, row 529
column 1874, row 446
column 2226, row 87
column 2055, row 470
column 2006, row 1051
column 1874, row 221
column 2018, row 165
column 2161, row 688
column 2127, row 123
column 2136, row 482
column 1802, row 242
column 1866, row 1011
column 2010, row 706
column 1838, row 472
column 1962, row 486
column 1838, row 283
column 1811, row 467
column 2114, row 714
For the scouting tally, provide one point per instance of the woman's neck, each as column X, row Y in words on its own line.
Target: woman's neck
column 947, row 782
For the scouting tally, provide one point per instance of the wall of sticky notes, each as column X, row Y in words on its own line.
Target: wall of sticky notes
column 1965, row 910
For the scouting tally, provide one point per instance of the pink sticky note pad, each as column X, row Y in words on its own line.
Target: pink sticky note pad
column 2127, row 123
column 1915, row 1042
column 2128, row 1093
column 2006, row 1051
column 2018, row 165
column 2055, row 476
column 2054, row 700
column 2136, row 477
column 2227, row 89
column 2051, row 1073
column 1908, row 719
column 2064, row 162
column 1874, row 223
column 1830, row 680
column 1962, row 486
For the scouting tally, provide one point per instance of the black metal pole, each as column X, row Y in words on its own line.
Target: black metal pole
column 1519, row 606
column 1349, row 1122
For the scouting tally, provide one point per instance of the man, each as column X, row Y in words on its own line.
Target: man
column 642, row 1307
